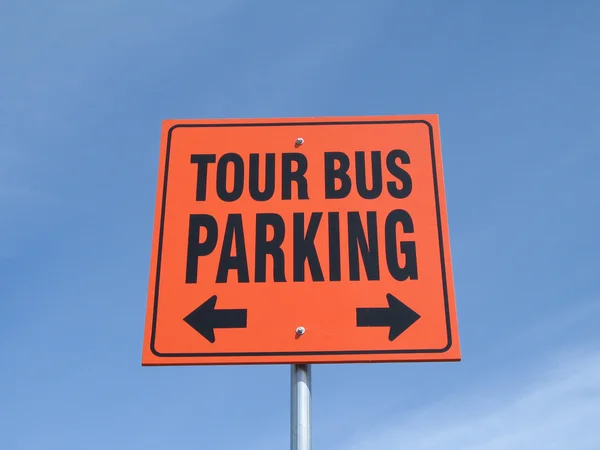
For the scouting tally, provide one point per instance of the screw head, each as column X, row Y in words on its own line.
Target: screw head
column 299, row 141
column 300, row 331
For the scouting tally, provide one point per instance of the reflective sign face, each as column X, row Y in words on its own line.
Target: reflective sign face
column 301, row 240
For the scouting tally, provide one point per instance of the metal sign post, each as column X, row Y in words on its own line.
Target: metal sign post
column 301, row 427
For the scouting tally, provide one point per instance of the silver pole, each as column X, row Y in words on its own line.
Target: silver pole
column 301, row 428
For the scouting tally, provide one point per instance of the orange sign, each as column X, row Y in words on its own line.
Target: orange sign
column 301, row 241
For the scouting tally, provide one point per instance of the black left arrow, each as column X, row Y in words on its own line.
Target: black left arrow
column 206, row 318
column 398, row 317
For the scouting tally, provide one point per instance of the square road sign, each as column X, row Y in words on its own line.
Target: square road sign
column 317, row 240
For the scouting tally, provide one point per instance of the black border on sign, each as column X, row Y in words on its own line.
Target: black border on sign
column 302, row 353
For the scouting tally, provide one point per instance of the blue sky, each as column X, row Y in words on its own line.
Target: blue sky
column 84, row 87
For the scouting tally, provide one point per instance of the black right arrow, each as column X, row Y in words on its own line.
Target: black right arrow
column 398, row 317
column 206, row 318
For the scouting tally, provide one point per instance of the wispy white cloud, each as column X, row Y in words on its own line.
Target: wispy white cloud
column 556, row 408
